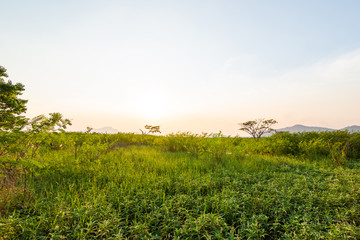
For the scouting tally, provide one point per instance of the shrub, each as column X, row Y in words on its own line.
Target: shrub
column 337, row 153
column 314, row 148
column 351, row 149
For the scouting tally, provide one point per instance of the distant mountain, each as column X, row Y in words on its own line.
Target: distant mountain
column 353, row 128
column 105, row 130
column 302, row 128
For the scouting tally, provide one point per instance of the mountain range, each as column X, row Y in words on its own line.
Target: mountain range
column 302, row 128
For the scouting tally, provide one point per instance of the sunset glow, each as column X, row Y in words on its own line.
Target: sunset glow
column 193, row 65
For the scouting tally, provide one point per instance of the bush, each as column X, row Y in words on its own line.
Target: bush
column 351, row 149
column 315, row 148
column 285, row 144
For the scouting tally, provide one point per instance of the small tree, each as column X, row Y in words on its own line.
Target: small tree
column 257, row 128
column 19, row 147
column 151, row 129
column 54, row 123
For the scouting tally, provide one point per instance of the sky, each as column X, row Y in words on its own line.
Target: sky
column 198, row 66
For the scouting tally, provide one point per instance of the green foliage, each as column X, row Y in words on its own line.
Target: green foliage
column 89, row 147
column 337, row 154
column 213, row 145
column 184, row 142
column 314, row 148
column 311, row 145
column 11, row 106
column 20, row 139
column 133, row 187
column 352, row 148
column 54, row 123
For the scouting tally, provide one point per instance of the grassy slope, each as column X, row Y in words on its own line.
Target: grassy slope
column 141, row 192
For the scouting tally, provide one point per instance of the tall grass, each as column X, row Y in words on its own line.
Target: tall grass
column 186, row 186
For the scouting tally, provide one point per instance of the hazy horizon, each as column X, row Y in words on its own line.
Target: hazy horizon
column 199, row 66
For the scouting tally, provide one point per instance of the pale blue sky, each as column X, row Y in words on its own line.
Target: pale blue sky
column 186, row 65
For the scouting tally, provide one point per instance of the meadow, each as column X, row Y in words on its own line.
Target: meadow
column 182, row 186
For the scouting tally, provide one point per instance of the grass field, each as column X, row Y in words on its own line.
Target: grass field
column 184, row 186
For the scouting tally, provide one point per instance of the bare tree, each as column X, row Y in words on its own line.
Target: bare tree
column 257, row 128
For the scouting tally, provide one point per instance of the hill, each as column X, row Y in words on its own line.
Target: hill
column 353, row 128
column 303, row 128
column 106, row 130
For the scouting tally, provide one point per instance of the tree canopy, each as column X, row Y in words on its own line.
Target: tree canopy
column 151, row 129
column 11, row 106
column 256, row 128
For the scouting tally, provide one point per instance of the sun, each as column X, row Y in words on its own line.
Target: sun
column 153, row 107
column 152, row 111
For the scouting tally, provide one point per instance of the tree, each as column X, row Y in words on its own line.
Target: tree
column 257, row 128
column 11, row 106
column 20, row 138
column 151, row 129
column 54, row 123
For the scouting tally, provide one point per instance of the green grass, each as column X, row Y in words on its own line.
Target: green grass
column 145, row 191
